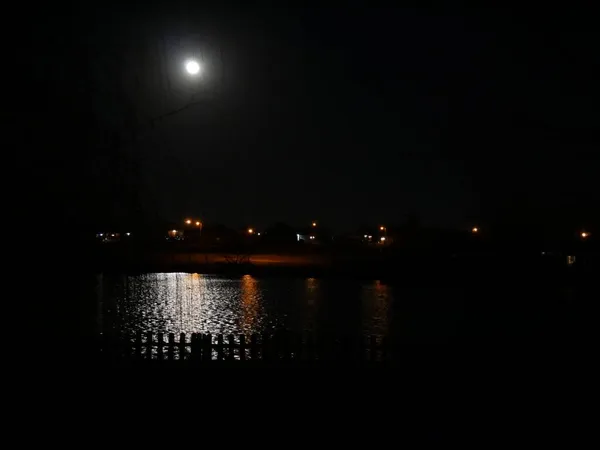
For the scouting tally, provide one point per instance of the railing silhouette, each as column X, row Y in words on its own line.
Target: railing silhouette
column 280, row 347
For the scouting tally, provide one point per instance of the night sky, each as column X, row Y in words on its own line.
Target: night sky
column 454, row 115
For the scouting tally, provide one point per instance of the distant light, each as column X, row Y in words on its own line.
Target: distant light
column 197, row 223
column 101, row 235
column 312, row 237
column 382, row 228
column 112, row 235
column 475, row 230
column 250, row 230
column 382, row 238
column 584, row 234
column 258, row 234
column 174, row 231
column 128, row 234
column 192, row 67
column 188, row 221
column 365, row 236
column 370, row 237
column 297, row 236
column 314, row 224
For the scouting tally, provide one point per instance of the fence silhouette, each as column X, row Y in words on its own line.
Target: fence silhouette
column 280, row 347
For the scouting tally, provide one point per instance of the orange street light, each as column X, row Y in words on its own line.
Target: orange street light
column 197, row 223
column 584, row 234
column 314, row 224
column 382, row 228
column 475, row 230
column 250, row 231
column 188, row 221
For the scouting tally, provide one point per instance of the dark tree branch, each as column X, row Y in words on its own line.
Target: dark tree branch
column 176, row 111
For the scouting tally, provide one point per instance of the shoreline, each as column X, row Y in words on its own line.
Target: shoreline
column 446, row 275
column 400, row 267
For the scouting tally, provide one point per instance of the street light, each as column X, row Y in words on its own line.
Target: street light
column 192, row 67
column 188, row 221
column 584, row 235
column 250, row 231
column 475, row 230
column 314, row 224
column 197, row 223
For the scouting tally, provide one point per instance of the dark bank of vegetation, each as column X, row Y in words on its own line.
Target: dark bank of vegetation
column 419, row 255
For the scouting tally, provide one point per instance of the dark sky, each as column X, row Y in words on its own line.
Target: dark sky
column 457, row 115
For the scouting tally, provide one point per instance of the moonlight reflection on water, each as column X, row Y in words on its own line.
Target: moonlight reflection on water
column 196, row 303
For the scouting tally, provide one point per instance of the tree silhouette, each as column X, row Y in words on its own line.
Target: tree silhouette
column 110, row 86
column 144, row 101
column 280, row 233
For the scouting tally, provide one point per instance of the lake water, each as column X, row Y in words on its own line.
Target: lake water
column 184, row 302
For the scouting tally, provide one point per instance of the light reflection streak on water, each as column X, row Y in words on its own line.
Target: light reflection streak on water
column 376, row 300
column 251, row 305
column 312, row 303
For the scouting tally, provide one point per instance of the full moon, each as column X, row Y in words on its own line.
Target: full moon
column 192, row 67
